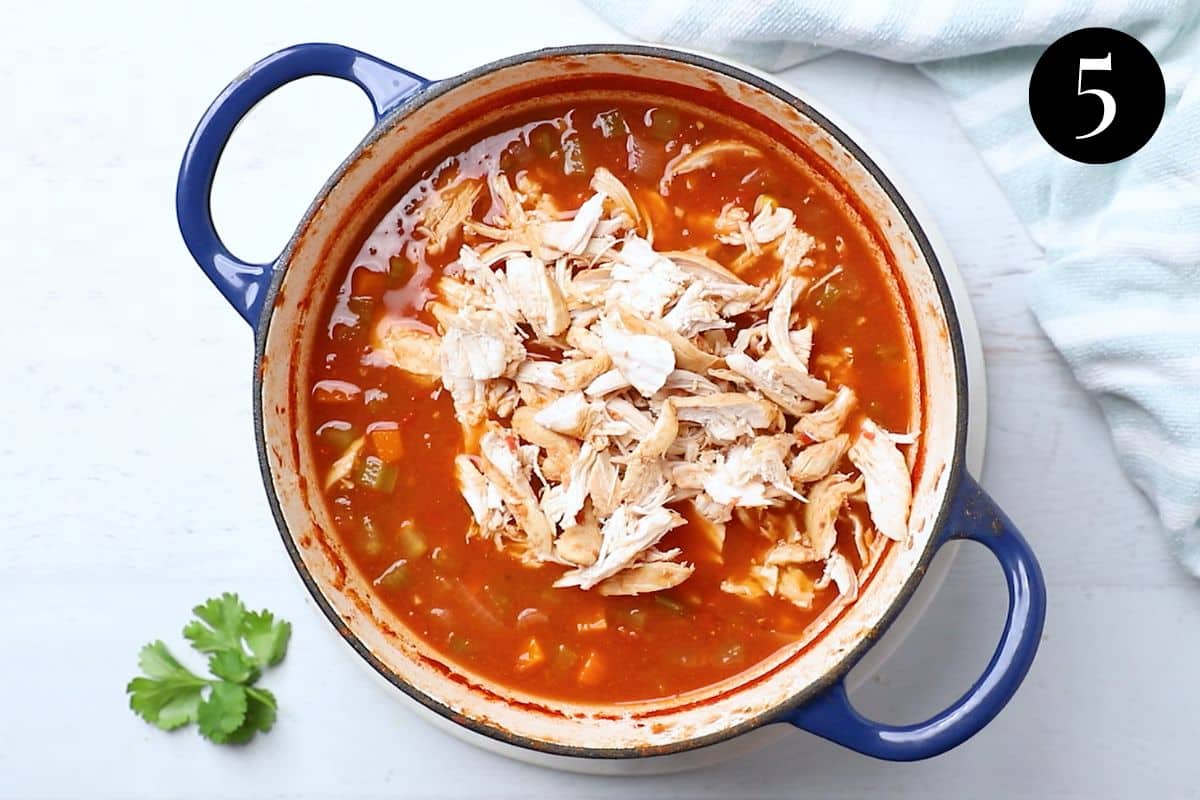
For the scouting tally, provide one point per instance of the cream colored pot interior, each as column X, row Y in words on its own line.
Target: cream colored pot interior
column 367, row 186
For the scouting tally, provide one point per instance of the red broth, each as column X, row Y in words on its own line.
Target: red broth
column 479, row 607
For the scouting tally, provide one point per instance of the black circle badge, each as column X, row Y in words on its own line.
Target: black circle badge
column 1097, row 95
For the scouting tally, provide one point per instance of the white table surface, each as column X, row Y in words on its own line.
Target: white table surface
column 129, row 489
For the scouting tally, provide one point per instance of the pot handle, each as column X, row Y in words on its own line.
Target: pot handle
column 244, row 284
column 974, row 516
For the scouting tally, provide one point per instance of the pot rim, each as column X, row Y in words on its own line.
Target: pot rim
column 832, row 675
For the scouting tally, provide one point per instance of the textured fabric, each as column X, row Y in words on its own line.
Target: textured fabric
column 1120, row 295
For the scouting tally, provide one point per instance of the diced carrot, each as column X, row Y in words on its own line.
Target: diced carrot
column 368, row 283
column 388, row 443
column 593, row 669
column 595, row 622
column 531, row 657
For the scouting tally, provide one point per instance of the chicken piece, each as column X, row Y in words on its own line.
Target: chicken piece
column 770, row 221
column 728, row 415
column 344, row 465
column 840, row 572
column 712, row 510
column 639, row 422
column 569, row 375
column 478, row 346
column 626, row 533
column 768, row 381
column 752, row 475
column 501, row 397
column 487, row 507
column 687, row 355
column 710, row 272
column 692, row 383
column 446, row 212
column 888, row 482
column 818, row 460
column 606, row 384
column 733, row 227
column 795, row 587
column 806, row 386
column 565, row 497
column 579, row 544
column 645, row 361
column 643, row 578
column 714, row 532
column 779, row 328
column 644, row 473
column 413, row 350
column 864, row 538
column 571, row 415
column 562, row 452
column 695, row 312
column 502, row 465
column 825, row 502
column 703, row 157
column 604, row 182
column 793, row 250
column 828, row 422
column 572, row 236
column 760, row 581
column 604, row 484
column 537, row 296
column 644, row 280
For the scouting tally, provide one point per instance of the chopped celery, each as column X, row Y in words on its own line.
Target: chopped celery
column 400, row 270
column 446, row 561
column 497, row 597
column 611, row 124
column 362, row 307
column 377, row 474
column 828, row 296
column 663, row 123
column 544, row 139
column 337, row 435
column 564, row 658
column 636, row 618
column 372, row 539
column 396, row 577
column 573, row 158
column 412, row 542
column 669, row 603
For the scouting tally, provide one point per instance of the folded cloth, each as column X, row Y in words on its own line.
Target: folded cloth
column 1120, row 294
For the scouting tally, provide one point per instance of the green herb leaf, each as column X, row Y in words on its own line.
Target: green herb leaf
column 223, row 631
column 223, row 712
column 227, row 708
column 232, row 665
column 260, row 715
column 266, row 637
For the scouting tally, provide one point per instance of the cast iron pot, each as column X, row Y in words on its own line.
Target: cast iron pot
column 802, row 684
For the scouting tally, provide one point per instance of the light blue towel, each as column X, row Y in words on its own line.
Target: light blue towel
column 1120, row 296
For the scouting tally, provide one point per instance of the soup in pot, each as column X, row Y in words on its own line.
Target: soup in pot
column 618, row 400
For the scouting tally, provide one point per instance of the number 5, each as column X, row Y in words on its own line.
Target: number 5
column 1106, row 99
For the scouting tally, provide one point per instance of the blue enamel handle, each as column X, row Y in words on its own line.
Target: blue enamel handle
column 244, row 284
column 974, row 516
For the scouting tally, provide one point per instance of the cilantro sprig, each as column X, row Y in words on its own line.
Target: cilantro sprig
column 228, row 708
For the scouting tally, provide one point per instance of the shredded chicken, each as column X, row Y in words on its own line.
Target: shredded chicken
column 604, row 387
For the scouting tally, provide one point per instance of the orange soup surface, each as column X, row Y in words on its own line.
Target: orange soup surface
column 399, row 512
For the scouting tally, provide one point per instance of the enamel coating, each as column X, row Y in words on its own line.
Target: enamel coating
column 804, row 687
